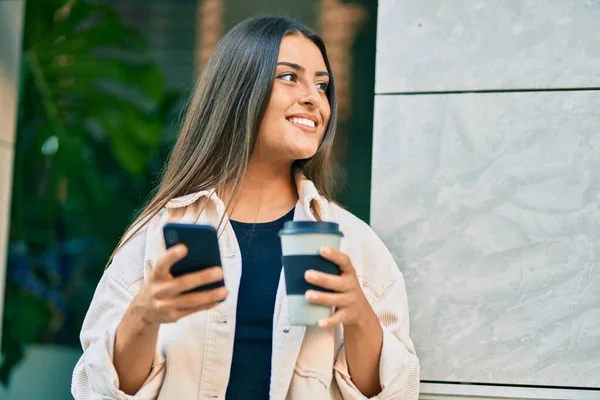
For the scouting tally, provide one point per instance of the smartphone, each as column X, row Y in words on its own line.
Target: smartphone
column 203, row 250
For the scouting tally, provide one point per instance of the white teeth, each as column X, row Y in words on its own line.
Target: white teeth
column 303, row 121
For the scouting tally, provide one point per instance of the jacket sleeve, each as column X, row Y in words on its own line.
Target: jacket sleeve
column 95, row 376
column 399, row 370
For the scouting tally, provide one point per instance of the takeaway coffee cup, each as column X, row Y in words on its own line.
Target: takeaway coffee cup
column 300, row 243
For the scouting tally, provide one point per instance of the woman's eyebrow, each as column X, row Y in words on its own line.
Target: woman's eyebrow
column 300, row 68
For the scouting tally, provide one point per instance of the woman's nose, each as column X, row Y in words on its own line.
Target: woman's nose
column 311, row 97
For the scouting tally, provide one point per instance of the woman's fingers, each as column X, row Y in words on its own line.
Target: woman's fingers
column 328, row 281
column 163, row 297
column 162, row 269
column 191, row 301
column 338, row 258
column 200, row 278
column 337, row 318
column 193, row 280
column 327, row 299
column 200, row 299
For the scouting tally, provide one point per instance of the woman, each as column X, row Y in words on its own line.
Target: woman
column 253, row 152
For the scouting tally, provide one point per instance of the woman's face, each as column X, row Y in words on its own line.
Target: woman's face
column 298, row 111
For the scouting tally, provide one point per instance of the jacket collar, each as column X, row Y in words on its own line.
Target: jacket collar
column 315, row 205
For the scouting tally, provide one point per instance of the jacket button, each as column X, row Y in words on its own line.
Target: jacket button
column 286, row 329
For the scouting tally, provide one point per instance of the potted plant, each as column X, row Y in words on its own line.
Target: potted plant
column 90, row 139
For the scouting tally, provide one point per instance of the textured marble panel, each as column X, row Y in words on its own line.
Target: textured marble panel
column 11, row 21
column 491, row 205
column 448, row 45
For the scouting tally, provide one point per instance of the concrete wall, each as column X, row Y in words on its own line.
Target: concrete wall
column 44, row 374
column 486, row 188
column 11, row 27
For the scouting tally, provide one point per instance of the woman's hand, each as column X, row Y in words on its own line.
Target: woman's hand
column 351, row 306
column 160, row 300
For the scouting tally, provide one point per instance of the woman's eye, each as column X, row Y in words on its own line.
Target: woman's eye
column 290, row 77
column 322, row 86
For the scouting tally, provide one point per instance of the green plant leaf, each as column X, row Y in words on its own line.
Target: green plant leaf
column 28, row 315
column 144, row 77
column 90, row 131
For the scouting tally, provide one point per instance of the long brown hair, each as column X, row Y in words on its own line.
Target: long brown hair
column 221, row 124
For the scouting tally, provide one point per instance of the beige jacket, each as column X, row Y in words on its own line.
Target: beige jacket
column 193, row 355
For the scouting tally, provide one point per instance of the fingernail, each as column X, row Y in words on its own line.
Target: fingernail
column 321, row 323
column 325, row 250
column 310, row 295
column 181, row 251
column 309, row 275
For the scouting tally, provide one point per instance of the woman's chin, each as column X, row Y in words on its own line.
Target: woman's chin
column 291, row 155
column 304, row 155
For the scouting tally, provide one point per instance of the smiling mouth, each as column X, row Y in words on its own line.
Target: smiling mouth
column 303, row 123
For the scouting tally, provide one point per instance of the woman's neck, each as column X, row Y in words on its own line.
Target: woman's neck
column 266, row 193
